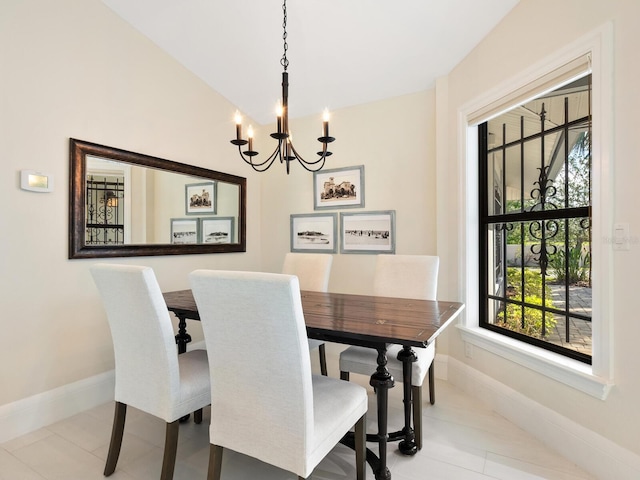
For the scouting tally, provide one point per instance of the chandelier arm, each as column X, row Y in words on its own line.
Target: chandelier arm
column 248, row 160
column 316, row 169
column 305, row 162
column 307, row 165
column 256, row 166
column 324, row 152
column 283, row 152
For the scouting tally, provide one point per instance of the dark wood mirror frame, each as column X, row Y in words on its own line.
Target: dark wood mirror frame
column 78, row 151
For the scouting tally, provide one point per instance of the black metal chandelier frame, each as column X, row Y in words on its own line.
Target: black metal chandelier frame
column 284, row 151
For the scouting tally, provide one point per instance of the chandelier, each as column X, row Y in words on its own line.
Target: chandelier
column 284, row 151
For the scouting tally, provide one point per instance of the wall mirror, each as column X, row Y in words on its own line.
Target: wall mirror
column 125, row 204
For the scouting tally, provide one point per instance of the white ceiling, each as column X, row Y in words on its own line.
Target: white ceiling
column 341, row 52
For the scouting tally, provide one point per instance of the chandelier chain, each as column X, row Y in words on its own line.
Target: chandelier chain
column 284, row 61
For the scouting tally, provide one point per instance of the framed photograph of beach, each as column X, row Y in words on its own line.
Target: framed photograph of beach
column 184, row 231
column 338, row 188
column 314, row 233
column 215, row 230
column 200, row 198
column 368, row 232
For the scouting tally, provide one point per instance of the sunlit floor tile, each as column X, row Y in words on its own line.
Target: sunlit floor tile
column 26, row 440
column 55, row 458
column 505, row 468
column 83, row 430
column 11, row 468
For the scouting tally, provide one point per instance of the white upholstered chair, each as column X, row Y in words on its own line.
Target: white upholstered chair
column 150, row 375
column 402, row 276
column 313, row 271
column 265, row 401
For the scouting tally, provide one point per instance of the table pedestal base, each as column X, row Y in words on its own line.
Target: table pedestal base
column 382, row 381
column 408, row 445
column 182, row 338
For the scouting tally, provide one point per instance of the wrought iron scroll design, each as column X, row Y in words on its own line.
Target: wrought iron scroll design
column 543, row 230
column 504, row 227
column 105, row 222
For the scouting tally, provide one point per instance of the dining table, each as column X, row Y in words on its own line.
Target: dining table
column 364, row 320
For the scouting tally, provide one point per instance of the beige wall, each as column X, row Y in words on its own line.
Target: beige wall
column 394, row 140
column 73, row 68
column 511, row 48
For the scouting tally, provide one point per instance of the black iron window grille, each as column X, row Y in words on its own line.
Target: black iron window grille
column 105, row 210
column 535, row 222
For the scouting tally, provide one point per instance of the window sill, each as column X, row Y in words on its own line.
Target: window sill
column 575, row 374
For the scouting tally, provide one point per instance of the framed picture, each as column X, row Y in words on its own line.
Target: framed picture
column 184, row 231
column 368, row 232
column 314, row 233
column 200, row 198
column 217, row 230
column 338, row 188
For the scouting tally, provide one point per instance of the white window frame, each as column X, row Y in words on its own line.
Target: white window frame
column 595, row 379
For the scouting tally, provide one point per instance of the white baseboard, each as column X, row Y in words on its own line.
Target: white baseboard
column 32, row 413
column 587, row 449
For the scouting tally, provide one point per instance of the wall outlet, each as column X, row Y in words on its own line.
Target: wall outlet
column 468, row 350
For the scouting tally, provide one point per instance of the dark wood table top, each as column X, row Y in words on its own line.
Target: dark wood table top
column 356, row 319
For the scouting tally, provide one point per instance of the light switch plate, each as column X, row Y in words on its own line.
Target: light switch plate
column 621, row 236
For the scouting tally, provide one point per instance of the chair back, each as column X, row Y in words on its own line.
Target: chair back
column 406, row 276
column 312, row 269
column 262, row 397
column 146, row 359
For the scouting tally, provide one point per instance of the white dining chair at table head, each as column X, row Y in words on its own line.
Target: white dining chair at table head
column 401, row 276
column 265, row 401
column 150, row 375
column 313, row 271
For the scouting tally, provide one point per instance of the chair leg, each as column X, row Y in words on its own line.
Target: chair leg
column 117, row 431
column 361, row 448
column 197, row 416
column 323, row 359
column 432, row 384
column 416, row 393
column 344, row 376
column 170, row 449
column 215, row 462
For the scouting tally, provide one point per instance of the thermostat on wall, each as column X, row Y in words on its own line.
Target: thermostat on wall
column 36, row 181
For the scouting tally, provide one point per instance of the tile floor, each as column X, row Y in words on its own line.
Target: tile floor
column 463, row 440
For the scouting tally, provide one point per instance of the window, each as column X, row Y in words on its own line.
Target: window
column 535, row 221
column 590, row 56
column 108, row 203
column 105, row 210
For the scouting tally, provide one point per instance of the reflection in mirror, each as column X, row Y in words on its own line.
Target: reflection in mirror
column 127, row 204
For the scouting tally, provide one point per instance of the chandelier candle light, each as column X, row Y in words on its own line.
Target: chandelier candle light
column 285, row 150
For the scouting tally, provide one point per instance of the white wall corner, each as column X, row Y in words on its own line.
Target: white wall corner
column 32, row 413
column 587, row 449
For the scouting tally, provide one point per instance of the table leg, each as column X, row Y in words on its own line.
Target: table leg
column 382, row 381
column 182, row 338
column 407, row 446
